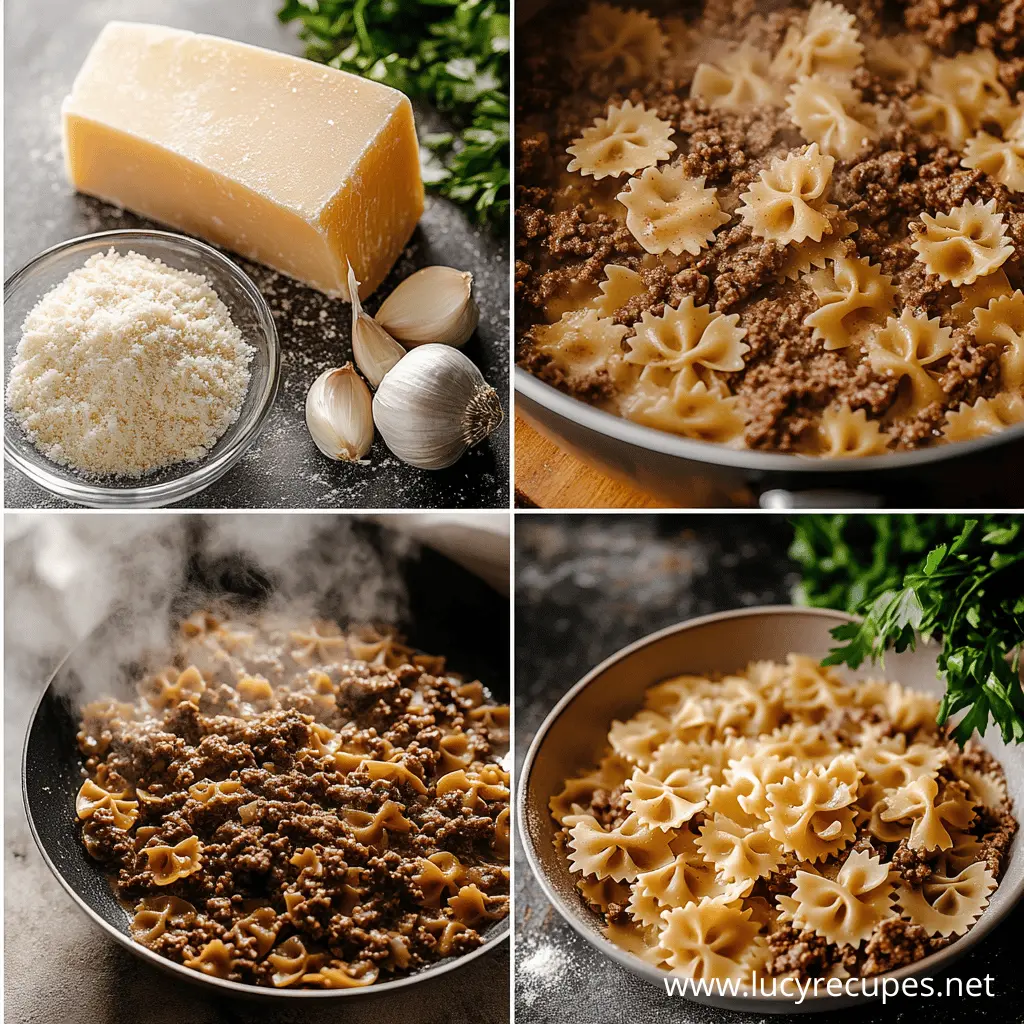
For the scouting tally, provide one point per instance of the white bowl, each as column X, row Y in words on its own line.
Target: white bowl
column 568, row 741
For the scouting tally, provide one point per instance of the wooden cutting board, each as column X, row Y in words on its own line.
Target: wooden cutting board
column 547, row 477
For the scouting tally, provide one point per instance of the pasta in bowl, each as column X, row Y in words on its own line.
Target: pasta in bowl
column 777, row 822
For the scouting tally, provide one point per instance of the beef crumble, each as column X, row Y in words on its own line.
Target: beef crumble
column 568, row 228
column 300, row 807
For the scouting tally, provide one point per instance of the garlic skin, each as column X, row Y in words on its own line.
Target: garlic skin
column 434, row 406
column 433, row 306
column 339, row 414
column 375, row 351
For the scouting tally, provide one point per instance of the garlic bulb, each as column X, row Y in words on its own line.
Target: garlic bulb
column 434, row 406
column 374, row 349
column 339, row 414
column 435, row 304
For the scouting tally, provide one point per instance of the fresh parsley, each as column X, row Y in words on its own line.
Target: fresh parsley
column 956, row 579
column 454, row 54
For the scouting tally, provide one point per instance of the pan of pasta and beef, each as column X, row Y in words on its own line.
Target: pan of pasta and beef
column 775, row 246
column 280, row 805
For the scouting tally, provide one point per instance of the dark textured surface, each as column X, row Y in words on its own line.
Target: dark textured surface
column 585, row 587
column 46, row 42
column 59, row 967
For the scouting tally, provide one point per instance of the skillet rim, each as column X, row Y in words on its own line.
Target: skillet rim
column 708, row 453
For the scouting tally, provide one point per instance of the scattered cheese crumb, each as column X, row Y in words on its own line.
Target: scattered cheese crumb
column 128, row 365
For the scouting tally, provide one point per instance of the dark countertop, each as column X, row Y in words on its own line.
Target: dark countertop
column 59, row 967
column 585, row 587
column 46, row 42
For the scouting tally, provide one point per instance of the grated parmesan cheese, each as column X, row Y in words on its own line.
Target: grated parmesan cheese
column 128, row 365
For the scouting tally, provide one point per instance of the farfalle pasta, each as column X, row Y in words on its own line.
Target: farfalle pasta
column 854, row 299
column 320, row 813
column 584, row 344
column 1001, row 322
column 845, row 433
column 615, row 43
column 739, row 80
column 787, row 204
column 670, row 212
column 828, row 43
column 830, row 114
column 964, row 243
column 625, row 141
column 908, row 349
column 984, row 417
column 714, row 844
column 817, row 171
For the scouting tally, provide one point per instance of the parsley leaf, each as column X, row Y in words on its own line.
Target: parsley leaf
column 948, row 577
column 454, row 54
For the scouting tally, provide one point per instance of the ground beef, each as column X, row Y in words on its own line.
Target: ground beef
column 896, row 943
column 568, row 228
column 306, row 817
column 914, row 865
column 804, row 952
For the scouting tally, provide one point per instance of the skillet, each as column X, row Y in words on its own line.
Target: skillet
column 451, row 612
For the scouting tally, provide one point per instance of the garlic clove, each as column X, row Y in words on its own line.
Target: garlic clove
column 375, row 351
column 339, row 414
column 433, row 406
column 434, row 305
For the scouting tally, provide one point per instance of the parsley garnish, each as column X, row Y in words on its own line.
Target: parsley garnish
column 955, row 579
column 452, row 53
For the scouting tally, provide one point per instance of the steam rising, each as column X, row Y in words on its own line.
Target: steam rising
column 148, row 570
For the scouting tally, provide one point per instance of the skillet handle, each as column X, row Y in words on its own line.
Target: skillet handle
column 780, row 500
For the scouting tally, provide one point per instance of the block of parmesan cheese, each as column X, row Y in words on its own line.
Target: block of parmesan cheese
column 287, row 162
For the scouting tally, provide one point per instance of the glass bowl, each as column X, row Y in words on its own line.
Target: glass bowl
column 251, row 315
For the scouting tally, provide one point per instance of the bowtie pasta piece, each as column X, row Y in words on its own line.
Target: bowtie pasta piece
column 847, row 910
column 169, row 863
column 828, row 44
column 683, row 343
column 892, row 764
column 617, row 45
column 1002, row 159
column 620, row 286
column 974, row 296
column 830, row 114
column 155, row 914
column 666, row 803
column 918, row 803
column 739, row 80
column 699, row 413
column 964, row 244
column 215, row 959
column 844, row 433
column 743, row 795
column 1001, row 323
column 985, row 417
column 961, row 95
column 854, row 297
column 629, row 139
column 739, row 853
column 899, row 59
column 638, row 737
column 948, row 905
column 787, row 202
column 670, row 212
column 619, row 853
column 904, row 348
column 709, row 940
column 123, row 810
column 583, row 345
column 810, row 814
